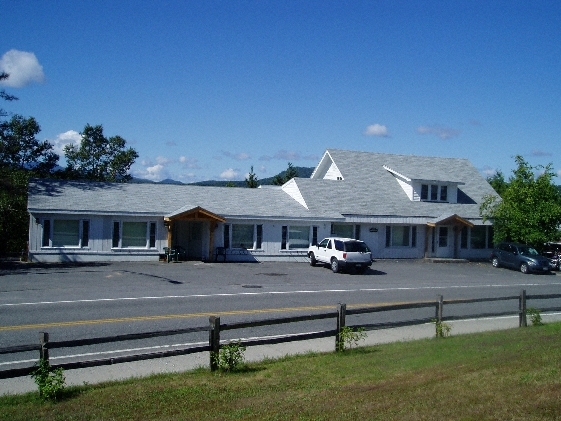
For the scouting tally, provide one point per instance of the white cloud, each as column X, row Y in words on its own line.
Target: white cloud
column 23, row 68
column 229, row 174
column 282, row 155
column 376, row 130
column 71, row 137
column 191, row 163
column 539, row 153
column 443, row 133
column 162, row 160
column 242, row 156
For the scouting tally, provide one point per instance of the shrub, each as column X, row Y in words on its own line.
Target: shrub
column 349, row 337
column 230, row 356
column 49, row 380
column 535, row 316
column 442, row 329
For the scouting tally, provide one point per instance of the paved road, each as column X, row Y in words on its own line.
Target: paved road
column 72, row 301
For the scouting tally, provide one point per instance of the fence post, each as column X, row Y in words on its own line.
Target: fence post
column 341, row 313
column 522, row 320
column 439, row 308
column 214, row 341
column 44, row 342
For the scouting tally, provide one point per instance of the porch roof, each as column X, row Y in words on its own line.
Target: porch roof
column 449, row 219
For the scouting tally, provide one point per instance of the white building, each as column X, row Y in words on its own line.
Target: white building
column 401, row 206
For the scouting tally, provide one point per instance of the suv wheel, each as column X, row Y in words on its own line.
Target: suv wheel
column 313, row 260
column 524, row 268
column 334, row 265
column 495, row 262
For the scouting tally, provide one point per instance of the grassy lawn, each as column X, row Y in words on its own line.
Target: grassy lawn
column 506, row 375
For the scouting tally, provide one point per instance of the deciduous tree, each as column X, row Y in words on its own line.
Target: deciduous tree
column 99, row 158
column 20, row 149
column 529, row 209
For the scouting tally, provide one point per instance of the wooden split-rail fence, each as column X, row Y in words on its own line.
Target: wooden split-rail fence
column 215, row 327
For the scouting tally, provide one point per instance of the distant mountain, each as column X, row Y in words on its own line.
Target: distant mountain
column 303, row 172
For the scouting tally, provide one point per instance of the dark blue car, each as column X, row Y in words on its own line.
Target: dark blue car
column 520, row 257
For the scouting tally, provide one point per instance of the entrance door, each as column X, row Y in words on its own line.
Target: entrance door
column 195, row 240
column 444, row 242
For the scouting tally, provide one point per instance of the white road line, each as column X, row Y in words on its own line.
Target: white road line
column 237, row 294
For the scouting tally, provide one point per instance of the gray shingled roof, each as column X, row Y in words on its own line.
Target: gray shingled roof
column 161, row 199
column 370, row 190
column 367, row 190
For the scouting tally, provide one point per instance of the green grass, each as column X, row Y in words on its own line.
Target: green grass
column 506, row 375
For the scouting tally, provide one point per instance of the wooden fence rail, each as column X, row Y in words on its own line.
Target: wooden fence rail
column 215, row 327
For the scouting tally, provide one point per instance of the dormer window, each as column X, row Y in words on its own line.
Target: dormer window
column 434, row 193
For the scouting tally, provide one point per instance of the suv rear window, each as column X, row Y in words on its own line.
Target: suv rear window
column 356, row 246
column 339, row 245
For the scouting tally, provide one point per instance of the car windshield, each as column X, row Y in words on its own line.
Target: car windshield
column 356, row 246
column 528, row 251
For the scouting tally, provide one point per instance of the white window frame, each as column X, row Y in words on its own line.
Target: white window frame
column 285, row 242
column 435, row 190
column 147, row 235
column 51, row 231
column 257, row 241
column 411, row 240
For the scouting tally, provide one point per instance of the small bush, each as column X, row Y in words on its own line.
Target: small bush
column 442, row 329
column 349, row 337
column 230, row 356
column 49, row 380
column 535, row 316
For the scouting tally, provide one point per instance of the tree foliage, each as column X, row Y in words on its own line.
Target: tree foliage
column 498, row 182
column 5, row 96
column 251, row 180
column 99, row 158
column 288, row 175
column 529, row 209
column 20, row 149
column 14, row 219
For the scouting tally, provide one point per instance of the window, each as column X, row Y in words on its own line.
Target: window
column 477, row 237
column 66, row 233
column 443, row 237
column 133, row 234
column 342, row 230
column 259, row 241
column 242, row 236
column 152, row 242
column 227, row 236
column 357, row 232
column 298, row 237
column 434, row 192
column 46, row 232
column 464, row 238
column 85, row 233
column 314, row 236
column 443, row 193
column 401, row 236
column 424, row 192
column 295, row 237
column 116, row 234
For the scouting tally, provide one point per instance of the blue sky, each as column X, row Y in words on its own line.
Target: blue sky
column 206, row 89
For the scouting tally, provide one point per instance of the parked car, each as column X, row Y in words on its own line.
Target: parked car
column 519, row 256
column 553, row 253
column 341, row 253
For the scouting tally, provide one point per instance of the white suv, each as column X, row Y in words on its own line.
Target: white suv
column 341, row 253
